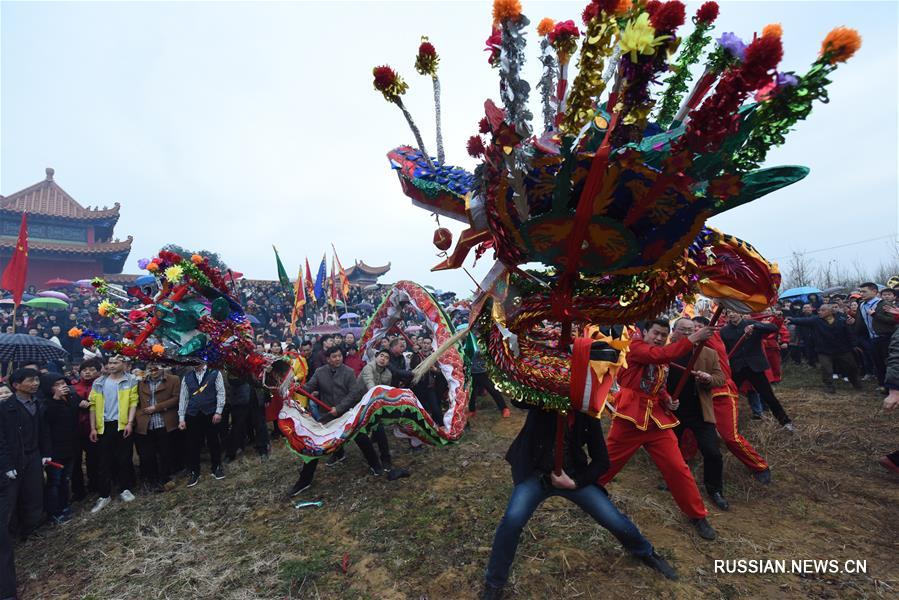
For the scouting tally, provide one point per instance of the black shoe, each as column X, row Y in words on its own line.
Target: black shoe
column 763, row 477
column 298, row 489
column 218, row 472
column 376, row 472
column 335, row 459
column 397, row 473
column 491, row 593
column 193, row 479
column 703, row 528
column 657, row 563
column 719, row 500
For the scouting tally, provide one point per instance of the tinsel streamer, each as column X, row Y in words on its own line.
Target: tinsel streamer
column 514, row 93
column 719, row 60
column 775, row 117
column 547, row 83
column 612, row 67
column 678, row 82
column 440, row 155
column 416, row 133
column 589, row 83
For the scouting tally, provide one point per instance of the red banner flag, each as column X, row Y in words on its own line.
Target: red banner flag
column 310, row 283
column 344, row 282
column 332, row 288
column 299, row 302
column 16, row 270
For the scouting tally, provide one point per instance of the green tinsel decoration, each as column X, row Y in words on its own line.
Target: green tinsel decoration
column 677, row 83
column 775, row 117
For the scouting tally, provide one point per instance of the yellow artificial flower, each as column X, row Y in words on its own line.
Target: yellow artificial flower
column 639, row 37
column 174, row 273
column 107, row 309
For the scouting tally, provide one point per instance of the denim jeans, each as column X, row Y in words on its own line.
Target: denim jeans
column 56, row 490
column 527, row 496
column 755, row 402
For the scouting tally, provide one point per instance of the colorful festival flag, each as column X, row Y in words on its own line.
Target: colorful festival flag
column 344, row 281
column 299, row 302
column 16, row 270
column 310, row 283
column 282, row 275
column 319, row 289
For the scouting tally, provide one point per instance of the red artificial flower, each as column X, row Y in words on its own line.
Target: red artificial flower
column 652, row 6
column 563, row 29
column 87, row 342
column 128, row 335
column 136, row 315
column 427, row 49
column 475, row 146
column 109, row 345
column 493, row 45
column 591, row 12
column 129, row 351
column 384, row 77
column 761, row 58
column 483, row 125
column 707, row 13
column 669, row 16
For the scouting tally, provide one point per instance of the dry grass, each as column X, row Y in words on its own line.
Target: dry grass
column 429, row 536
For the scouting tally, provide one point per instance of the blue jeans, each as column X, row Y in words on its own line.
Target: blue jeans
column 56, row 490
column 527, row 496
column 755, row 402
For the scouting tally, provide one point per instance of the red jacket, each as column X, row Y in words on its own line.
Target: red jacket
column 642, row 384
column 729, row 388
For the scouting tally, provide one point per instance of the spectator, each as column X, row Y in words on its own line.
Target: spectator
column 200, row 412
column 891, row 402
column 86, row 450
column 834, row 341
column 238, row 399
column 5, row 392
column 480, row 382
column 113, row 404
column 402, row 375
column 25, row 447
column 874, row 326
column 61, row 416
column 157, row 417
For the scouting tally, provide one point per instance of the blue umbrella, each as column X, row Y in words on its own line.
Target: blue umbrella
column 145, row 280
column 799, row 291
column 253, row 320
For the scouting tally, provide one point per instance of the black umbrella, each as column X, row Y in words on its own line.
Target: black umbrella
column 22, row 348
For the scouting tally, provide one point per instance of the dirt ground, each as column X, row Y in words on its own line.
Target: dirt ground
column 429, row 536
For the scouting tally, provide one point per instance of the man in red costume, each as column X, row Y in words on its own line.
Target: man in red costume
column 724, row 401
column 642, row 418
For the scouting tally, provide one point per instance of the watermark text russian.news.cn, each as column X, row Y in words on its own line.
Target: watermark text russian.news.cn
column 760, row 566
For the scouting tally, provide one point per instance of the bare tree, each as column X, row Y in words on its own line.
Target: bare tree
column 800, row 271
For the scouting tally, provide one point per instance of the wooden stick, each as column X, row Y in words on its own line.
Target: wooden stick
column 696, row 351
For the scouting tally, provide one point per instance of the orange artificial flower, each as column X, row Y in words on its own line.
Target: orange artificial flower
column 505, row 9
column 75, row 332
column 546, row 25
column 153, row 267
column 840, row 44
column 196, row 259
column 158, row 349
column 773, row 29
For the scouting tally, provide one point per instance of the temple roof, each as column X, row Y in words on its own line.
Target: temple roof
column 364, row 268
column 63, row 248
column 47, row 198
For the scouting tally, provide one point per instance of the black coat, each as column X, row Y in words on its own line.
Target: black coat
column 61, row 418
column 834, row 338
column 534, row 448
column 750, row 353
column 12, row 448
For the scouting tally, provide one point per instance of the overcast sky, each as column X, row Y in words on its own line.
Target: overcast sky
column 235, row 126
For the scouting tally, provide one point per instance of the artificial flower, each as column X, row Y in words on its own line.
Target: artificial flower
column 669, row 16
column 174, row 273
column 494, row 45
column 108, row 345
column 475, row 146
column 639, row 37
column 75, row 332
column 773, row 29
column 142, row 263
column 707, row 13
column 196, row 259
column 505, row 9
column 427, row 59
column 840, row 44
column 87, row 342
column 153, row 267
column 107, row 309
column 129, row 351
column 483, row 125
column 389, row 83
column 733, row 44
column 158, row 349
column 546, row 25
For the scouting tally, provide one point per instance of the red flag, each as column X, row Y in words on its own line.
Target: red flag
column 344, row 282
column 299, row 302
column 332, row 288
column 310, row 283
column 17, row 269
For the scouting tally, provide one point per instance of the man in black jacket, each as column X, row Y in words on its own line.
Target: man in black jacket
column 531, row 456
column 743, row 339
column 334, row 384
column 834, row 341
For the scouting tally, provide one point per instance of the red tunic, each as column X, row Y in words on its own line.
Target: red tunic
column 642, row 384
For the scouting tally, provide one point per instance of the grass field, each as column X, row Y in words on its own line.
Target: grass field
column 429, row 536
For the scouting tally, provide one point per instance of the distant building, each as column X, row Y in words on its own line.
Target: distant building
column 65, row 239
column 362, row 275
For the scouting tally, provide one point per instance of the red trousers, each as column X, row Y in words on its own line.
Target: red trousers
column 624, row 439
column 726, row 423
